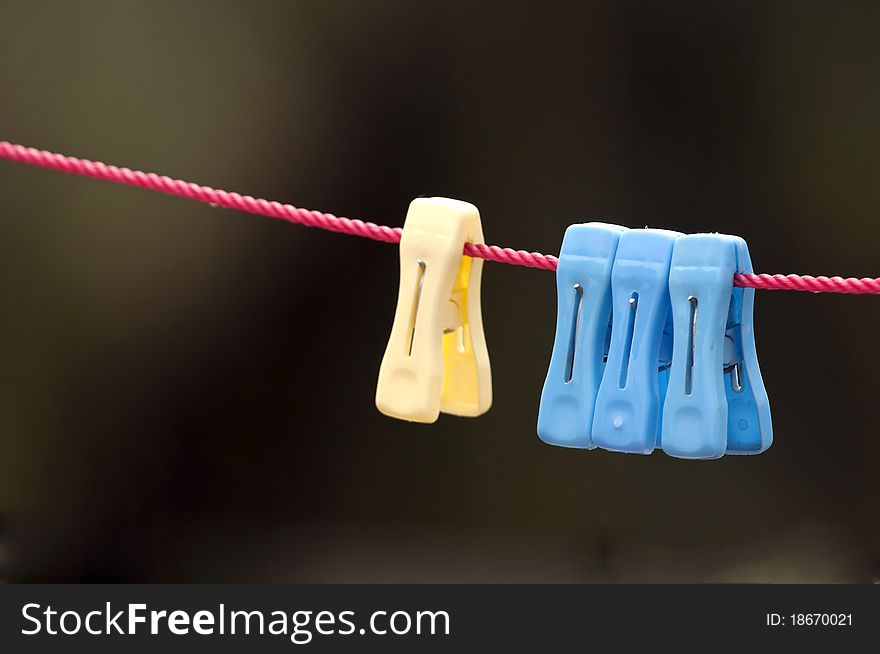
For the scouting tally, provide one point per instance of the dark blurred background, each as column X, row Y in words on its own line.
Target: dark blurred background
column 187, row 392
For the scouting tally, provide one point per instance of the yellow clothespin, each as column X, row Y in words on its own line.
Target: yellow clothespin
column 436, row 359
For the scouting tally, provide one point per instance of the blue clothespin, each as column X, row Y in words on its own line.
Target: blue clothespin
column 629, row 401
column 749, row 426
column 716, row 401
column 583, row 284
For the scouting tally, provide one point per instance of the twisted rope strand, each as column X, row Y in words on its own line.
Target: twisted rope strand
column 292, row 214
column 821, row 284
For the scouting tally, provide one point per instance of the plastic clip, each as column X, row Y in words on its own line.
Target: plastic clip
column 716, row 401
column 629, row 401
column 436, row 358
column 583, row 319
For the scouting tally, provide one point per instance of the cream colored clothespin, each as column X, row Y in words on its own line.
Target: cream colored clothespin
column 436, row 359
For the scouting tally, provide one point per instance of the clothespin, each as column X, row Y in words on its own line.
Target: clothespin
column 629, row 401
column 436, row 359
column 716, row 401
column 583, row 321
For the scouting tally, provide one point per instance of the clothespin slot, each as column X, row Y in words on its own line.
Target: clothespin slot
column 629, row 399
column 716, row 401
column 436, row 358
column 583, row 324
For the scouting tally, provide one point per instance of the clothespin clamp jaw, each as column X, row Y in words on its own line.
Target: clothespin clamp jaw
column 436, row 358
column 628, row 404
column 583, row 319
column 715, row 402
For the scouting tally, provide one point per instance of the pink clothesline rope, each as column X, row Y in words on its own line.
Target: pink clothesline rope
column 229, row 200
